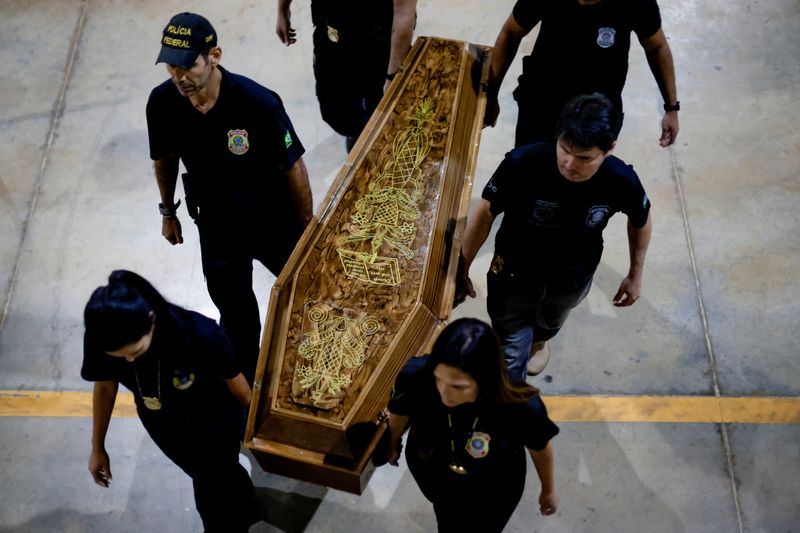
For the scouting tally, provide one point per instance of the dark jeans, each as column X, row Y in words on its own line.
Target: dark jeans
column 524, row 312
column 350, row 75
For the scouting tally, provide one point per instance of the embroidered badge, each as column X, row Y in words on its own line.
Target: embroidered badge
column 237, row 142
column 544, row 212
column 597, row 215
column 645, row 201
column 287, row 139
column 182, row 380
column 605, row 37
column 478, row 445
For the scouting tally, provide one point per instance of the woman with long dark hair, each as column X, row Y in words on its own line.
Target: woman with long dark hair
column 470, row 427
column 188, row 389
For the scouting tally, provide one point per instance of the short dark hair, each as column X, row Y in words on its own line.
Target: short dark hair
column 471, row 346
column 589, row 121
column 119, row 313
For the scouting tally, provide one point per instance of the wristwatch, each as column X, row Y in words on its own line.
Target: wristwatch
column 168, row 211
column 672, row 107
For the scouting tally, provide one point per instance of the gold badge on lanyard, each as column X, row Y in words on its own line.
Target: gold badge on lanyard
column 333, row 34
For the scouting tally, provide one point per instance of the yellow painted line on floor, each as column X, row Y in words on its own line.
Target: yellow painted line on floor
column 675, row 409
column 653, row 409
column 66, row 403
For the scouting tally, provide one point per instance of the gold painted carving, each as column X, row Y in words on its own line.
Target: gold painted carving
column 385, row 215
column 335, row 347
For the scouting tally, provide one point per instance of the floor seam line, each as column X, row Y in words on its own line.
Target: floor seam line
column 57, row 113
column 707, row 337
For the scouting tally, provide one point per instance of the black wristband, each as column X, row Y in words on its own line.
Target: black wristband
column 390, row 77
column 168, row 212
column 672, row 107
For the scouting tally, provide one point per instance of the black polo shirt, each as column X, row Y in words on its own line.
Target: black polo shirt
column 185, row 367
column 235, row 154
column 433, row 442
column 580, row 49
column 552, row 228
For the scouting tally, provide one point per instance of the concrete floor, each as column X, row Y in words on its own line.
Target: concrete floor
column 718, row 314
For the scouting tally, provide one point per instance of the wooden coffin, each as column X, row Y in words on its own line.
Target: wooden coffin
column 372, row 280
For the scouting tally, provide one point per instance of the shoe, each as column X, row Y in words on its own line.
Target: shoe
column 245, row 462
column 540, row 355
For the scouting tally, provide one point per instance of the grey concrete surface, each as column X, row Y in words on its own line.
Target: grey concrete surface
column 77, row 199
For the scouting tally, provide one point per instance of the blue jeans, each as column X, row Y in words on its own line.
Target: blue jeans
column 524, row 312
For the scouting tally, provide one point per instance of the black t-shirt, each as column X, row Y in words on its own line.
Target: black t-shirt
column 185, row 367
column 235, row 154
column 580, row 49
column 552, row 228
column 353, row 17
column 510, row 429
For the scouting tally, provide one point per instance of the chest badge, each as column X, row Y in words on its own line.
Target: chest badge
column 237, row 142
column 183, row 381
column 605, row 37
column 597, row 215
column 478, row 445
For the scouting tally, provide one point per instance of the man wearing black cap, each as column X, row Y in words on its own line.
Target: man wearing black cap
column 246, row 185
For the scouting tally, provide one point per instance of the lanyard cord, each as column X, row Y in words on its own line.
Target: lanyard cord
column 450, row 426
column 136, row 375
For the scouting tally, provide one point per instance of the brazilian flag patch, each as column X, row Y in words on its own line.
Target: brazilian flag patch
column 287, row 139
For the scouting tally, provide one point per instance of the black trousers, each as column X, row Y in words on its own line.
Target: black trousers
column 350, row 75
column 208, row 451
column 228, row 268
column 537, row 119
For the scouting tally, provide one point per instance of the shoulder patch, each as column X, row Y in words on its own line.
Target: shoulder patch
column 287, row 139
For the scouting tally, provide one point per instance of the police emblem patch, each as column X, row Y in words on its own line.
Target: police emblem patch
column 237, row 142
column 597, row 215
column 478, row 445
column 182, row 380
column 605, row 37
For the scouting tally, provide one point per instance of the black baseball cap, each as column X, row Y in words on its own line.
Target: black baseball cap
column 184, row 37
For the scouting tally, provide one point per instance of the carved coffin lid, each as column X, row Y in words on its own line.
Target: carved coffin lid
column 372, row 279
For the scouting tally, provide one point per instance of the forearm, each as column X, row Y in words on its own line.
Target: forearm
column 300, row 190
column 478, row 228
column 543, row 462
column 402, row 32
column 504, row 51
column 638, row 242
column 103, row 399
column 283, row 7
column 240, row 389
column 659, row 58
column 166, row 171
column 398, row 425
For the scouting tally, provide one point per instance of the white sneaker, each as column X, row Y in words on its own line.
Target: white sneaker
column 540, row 355
column 245, row 462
